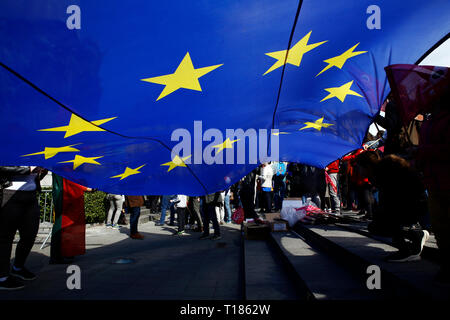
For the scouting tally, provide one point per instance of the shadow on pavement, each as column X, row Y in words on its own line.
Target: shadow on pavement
column 164, row 266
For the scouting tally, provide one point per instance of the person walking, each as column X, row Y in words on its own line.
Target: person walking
column 227, row 206
column 115, row 209
column 19, row 211
column 166, row 204
column 134, row 204
column 209, row 203
column 195, row 216
column 181, row 206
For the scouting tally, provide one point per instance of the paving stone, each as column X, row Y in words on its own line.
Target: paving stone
column 165, row 267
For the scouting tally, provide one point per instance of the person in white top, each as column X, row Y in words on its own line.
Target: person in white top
column 181, row 205
column 266, row 185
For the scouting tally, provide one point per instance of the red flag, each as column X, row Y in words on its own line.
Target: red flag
column 73, row 224
column 415, row 88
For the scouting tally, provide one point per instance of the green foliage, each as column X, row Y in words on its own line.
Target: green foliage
column 95, row 207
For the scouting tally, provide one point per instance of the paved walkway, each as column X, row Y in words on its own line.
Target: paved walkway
column 165, row 267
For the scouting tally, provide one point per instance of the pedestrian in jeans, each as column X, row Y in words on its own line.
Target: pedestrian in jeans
column 226, row 202
column 209, row 208
column 115, row 209
column 19, row 211
column 134, row 204
column 166, row 204
column 181, row 205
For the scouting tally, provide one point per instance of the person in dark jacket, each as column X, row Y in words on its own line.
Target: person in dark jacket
column 402, row 202
column 19, row 211
column 313, row 183
column 434, row 159
column 247, row 195
column 210, row 202
column 295, row 180
column 393, row 125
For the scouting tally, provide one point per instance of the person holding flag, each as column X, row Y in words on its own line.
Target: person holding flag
column 19, row 211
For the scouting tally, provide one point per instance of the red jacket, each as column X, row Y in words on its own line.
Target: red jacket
column 355, row 176
column 333, row 167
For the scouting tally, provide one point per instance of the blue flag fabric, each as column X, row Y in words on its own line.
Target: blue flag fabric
column 147, row 97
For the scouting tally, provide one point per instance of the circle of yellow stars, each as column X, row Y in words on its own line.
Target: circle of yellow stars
column 186, row 76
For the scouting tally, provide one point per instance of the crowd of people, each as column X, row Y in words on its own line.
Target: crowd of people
column 399, row 186
column 189, row 213
column 195, row 213
column 397, row 182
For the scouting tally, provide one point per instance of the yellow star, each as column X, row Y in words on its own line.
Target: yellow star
column 128, row 172
column 318, row 125
column 78, row 125
column 176, row 162
column 186, row 76
column 51, row 152
column 227, row 144
column 339, row 61
column 295, row 54
column 341, row 92
column 79, row 160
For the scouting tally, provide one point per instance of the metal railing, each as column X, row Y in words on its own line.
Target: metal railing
column 45, row 199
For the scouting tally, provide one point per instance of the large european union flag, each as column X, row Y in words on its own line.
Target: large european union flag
column 106, row 92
